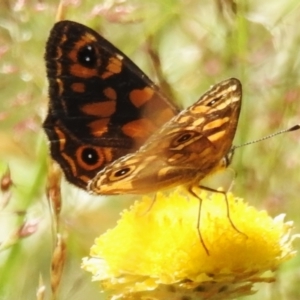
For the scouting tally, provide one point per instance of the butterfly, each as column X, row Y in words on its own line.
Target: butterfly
column 113, row 132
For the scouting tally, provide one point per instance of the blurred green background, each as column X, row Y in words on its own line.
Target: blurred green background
column 199, row 43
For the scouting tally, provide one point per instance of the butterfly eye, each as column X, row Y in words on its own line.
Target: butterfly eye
column 87, row 56
column 121, row 173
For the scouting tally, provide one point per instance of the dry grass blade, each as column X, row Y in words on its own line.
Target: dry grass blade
column 40, row 293
column 57, row 265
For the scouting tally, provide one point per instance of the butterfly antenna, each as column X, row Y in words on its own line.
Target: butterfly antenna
column 293, row 128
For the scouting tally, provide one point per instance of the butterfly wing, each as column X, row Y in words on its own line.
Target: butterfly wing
column 186, row 149
column 102, row 106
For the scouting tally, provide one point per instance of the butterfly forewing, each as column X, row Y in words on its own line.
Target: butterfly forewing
column 190, row 146
column 102, row 106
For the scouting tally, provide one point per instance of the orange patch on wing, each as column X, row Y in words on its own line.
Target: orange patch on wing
column 216, row 123
column 61, row 138
column 114, row 67
column 58, row 70
column 84, row 179
column 71, row 163
column 217, row 136
column 108, row 154
column 80, row 71
column 200, row 109
column 63, row 38
column 139, row 129
column 78, row 87
column 183, row 119
column 110, row 93
column 140, row 97
column 59, row 54
column 175, row 157
column 99, row 127
column 62, row 143
column 60, row 86
column 89, row 37
column 99, row 109
column 59, row 50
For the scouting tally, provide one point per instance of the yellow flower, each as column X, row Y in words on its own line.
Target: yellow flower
column 155, row 251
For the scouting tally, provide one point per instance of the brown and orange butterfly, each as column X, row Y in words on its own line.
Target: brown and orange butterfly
column 112, row 131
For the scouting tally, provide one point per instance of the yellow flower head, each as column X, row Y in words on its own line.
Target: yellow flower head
column 155, row 251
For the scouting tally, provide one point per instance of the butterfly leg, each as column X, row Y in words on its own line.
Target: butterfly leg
column 190, row 189
column 227, row 206
column 150, row 206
